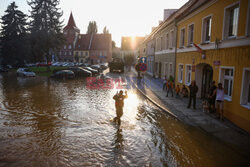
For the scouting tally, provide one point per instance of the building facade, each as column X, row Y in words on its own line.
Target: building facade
column 84, row 48
column 213, row 44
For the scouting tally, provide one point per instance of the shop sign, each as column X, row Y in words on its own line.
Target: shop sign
column 217, row 63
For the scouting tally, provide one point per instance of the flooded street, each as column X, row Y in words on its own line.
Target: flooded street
column 46, row 122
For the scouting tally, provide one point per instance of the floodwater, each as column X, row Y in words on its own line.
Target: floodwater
column 46, row 122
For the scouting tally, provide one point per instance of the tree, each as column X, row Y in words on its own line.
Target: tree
column 45, row 28
column 92, row 27
column 105, row 30
column 13, row 36
column 113, row 44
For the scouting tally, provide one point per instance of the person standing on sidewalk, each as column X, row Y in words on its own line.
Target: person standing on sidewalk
column 170, row 87
column 219, row 92
column 212, row 97
column 193, row 89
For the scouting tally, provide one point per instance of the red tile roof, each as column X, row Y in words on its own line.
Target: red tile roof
column 83, row 42
column 101, row 42
column 94, row 42
column 71, row 23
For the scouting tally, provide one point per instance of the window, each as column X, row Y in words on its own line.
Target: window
column 207, row 22
column 70, row 53
column 182, row 37
column 248, row 20
column 180, row 73
column 158, row 44
column 227, row 76
column 231, row 21
column 167, row 41
column 69, row 46
column 65, row 53
column 162, row 43
column 171, row 43
column 64, row 47
column 76, row 53
column 245, row 90
column 188, row 74
column 190, row 34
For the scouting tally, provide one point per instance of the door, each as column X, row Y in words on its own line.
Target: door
column 207, row 78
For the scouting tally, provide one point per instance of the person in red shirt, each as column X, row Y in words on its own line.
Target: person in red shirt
column 119, row 103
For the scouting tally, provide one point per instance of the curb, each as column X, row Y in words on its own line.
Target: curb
column 158, row 105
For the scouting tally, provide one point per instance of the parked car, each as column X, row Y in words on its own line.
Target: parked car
column 64, row 74
column 104, row 66
column 96, row 67
column 25, row 72
column 80, row 72
column 94, row 72
column 3, row 69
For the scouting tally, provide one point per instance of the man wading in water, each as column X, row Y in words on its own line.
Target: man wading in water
column 119, row 103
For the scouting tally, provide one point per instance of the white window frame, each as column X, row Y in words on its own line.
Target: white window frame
column 226, row 21
column 189, row 34
column 203, row 31
column 186, row 74
column 182, row 37
column 180, row 79
column 247, row 105
column 226, row 97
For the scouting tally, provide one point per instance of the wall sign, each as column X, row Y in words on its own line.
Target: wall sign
column 217, row 63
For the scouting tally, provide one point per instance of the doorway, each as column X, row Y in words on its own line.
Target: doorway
column 204, row 77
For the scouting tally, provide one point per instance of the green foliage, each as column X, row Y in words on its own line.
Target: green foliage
column 105, row 30
column 92, row 27
column 14, row 36
column 45, row 28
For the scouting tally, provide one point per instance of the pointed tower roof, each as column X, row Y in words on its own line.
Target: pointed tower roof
column 71, row 23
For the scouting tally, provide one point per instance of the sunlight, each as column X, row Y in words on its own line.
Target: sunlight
column 131, row 104
column 133, row 42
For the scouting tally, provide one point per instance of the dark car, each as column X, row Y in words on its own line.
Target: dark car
column 63, row 74
column 116, row 65
column 104, row 66
column 96, row 67
column 81, row 72
column 94, row 72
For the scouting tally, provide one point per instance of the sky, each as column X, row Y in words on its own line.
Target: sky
column 122, row 17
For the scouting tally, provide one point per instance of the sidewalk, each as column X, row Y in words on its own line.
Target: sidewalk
column 226, row 131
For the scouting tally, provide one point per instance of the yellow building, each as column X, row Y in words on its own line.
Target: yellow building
column 221, row 32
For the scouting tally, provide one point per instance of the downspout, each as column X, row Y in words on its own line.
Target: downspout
column 175, row 52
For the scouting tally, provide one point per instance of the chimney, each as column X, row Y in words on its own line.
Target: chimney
column 167, row 13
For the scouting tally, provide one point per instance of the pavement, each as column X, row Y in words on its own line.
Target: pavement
column 226, row 131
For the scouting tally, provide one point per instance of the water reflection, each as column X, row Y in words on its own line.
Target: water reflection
column 47, row 122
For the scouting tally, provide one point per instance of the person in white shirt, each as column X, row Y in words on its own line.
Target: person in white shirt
column 219, row 103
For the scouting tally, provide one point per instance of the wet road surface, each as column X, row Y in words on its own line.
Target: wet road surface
column 46, row 122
